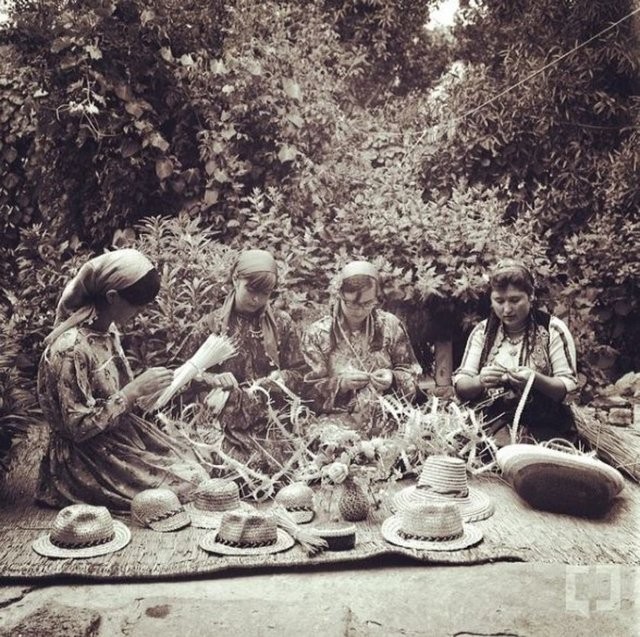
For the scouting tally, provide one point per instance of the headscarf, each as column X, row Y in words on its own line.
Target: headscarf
column 250, row 262
column 115, row 270
column 356, row 268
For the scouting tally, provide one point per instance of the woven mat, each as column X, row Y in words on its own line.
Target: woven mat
column 514, row 533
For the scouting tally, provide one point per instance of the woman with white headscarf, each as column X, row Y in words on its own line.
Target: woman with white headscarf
column 358, row 351
column 100, row 452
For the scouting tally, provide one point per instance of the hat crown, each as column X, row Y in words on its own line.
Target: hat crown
column 153, row 505
column 437, row 521
column 296, row 495
column 445, row 475
column 81, row 525
column 217, row 494
column 247, row 530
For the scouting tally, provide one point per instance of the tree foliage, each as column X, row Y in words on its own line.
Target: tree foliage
column 323, row 130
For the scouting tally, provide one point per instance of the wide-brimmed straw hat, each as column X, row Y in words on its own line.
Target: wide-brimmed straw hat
column 435, row 526
column 83, row 530
column 159, row 509
column 444, row 479
column 560, row 481
column 297, row 499
column 212, row 498
column 247, row 533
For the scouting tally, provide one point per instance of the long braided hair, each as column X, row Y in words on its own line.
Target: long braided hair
column 511, row 272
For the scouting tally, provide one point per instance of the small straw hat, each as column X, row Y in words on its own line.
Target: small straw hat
column 444, row 479
column 212, row 498
column 247, row 533
column 159, row 509
column 83, row 530
column 559, row 481
column 436, row 526
column 297, row 499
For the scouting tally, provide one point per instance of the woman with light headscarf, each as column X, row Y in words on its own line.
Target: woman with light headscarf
column 268, row 366
column 100, row 452
column 359, row 351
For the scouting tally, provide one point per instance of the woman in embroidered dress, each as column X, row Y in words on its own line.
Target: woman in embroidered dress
column 359, row 351
column 505, row 350
column 100, row 452
column 268, row 367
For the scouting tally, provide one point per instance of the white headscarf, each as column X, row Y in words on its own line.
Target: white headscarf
column 115, row 270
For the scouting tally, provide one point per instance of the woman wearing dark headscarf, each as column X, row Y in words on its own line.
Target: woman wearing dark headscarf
column 99, row 451
column 359, row 351
column 515, row 342
column 268, row 356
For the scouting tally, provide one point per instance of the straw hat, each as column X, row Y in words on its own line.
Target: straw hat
column 159, row 509
column 558, row 481
column 297, row 499
column 428, row 526
column 247, row 533
column 444, row 479
column 211, row 499
column 82, row 530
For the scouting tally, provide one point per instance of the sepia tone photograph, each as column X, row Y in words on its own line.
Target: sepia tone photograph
column 319, row 317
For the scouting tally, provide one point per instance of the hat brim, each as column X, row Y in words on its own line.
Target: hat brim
column 210, row 544
column 122, row 536
column 173, row 523
column 202, row 519
column 392, row 526
column 560, row 482
column 473, row 507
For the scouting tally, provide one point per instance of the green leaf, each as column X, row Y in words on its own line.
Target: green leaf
column 292, row 89
column 287, row 153
column 211, row 196
column 164, row 168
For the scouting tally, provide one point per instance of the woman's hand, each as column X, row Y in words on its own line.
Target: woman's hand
column 381, row 379
column 352, row 380
column 493, row 376
column 225, row 380
column 150, row 382
column 519, row 376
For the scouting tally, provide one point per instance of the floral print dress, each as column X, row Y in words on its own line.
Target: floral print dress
column 241, row 427
column 99, row 453
column 329, row 352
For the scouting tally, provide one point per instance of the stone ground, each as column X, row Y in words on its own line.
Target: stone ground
column 389, row 598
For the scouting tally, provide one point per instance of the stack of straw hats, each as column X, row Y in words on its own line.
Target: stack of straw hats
column 444, row 480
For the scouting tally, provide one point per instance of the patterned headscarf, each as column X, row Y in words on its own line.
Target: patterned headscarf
column 250, row 262
column 115, row 270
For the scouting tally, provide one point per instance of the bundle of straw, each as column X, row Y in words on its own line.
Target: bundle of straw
column 309, row 541
column 619, row 446
column 215, row 350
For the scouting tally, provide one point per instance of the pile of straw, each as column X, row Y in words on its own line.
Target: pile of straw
column 618, row 446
